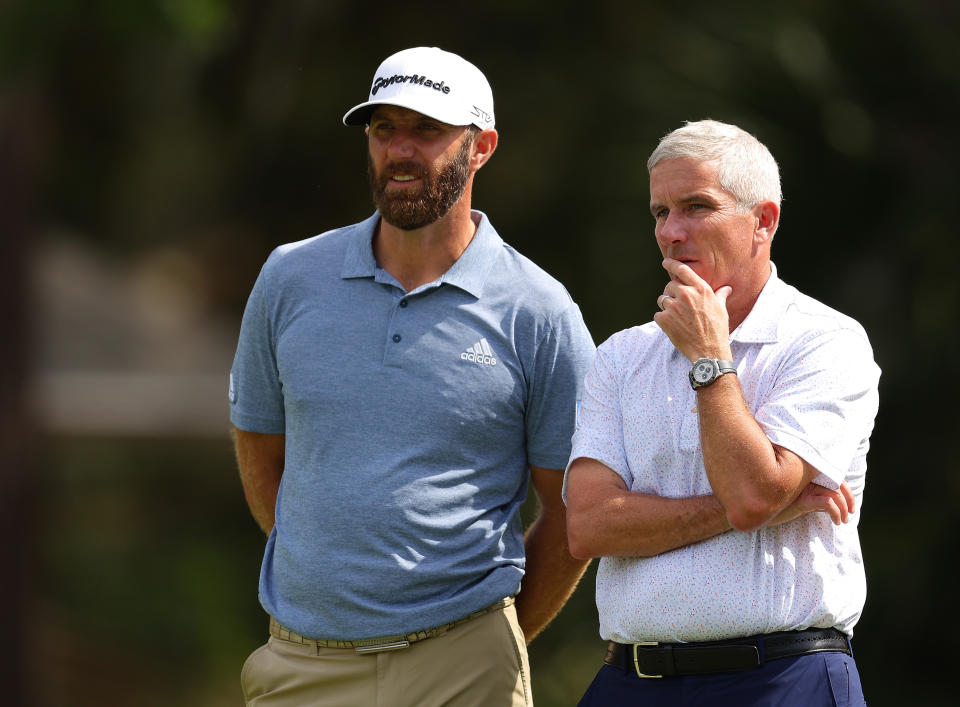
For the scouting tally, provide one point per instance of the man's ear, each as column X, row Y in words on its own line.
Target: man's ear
column 484, row 143
column 767, row 214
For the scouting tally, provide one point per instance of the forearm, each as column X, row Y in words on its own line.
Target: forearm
column 631, row 524
column 261, row 495
column 552, row 574
column 748, row 474
column 604, row 518
column 260, row 459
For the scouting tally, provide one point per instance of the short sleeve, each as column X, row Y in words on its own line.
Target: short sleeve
column 256, row 395
column 562, row 359
column 599, row 433
column 824, row 402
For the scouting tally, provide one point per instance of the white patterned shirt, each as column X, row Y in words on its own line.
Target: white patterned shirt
column 808, row 376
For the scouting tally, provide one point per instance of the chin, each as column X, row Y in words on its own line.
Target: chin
column 703, row 273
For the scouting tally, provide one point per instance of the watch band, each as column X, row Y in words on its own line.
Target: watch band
column 725, row 367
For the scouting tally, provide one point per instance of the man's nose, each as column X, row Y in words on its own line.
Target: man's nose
column 671, row 230
column 401, row 145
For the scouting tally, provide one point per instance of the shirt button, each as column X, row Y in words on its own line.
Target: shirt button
column 396, row 338
column 403, row 303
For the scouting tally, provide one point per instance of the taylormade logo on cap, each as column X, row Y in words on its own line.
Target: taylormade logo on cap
column 419, row 80
column 431, row 81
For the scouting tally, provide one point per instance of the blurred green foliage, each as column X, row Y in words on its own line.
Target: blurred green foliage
column 143, row 551
column 214, row 127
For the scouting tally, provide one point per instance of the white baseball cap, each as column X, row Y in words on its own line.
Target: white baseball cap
column 438, row 84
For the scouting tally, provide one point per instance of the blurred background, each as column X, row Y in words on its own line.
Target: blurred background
column 152, row 154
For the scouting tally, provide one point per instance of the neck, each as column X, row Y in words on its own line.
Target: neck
column 740, row 304
column 420, row 256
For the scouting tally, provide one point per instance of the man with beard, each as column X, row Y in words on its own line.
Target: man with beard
column 397, row 385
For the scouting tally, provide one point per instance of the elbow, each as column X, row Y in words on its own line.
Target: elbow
column 751, row 514
column 580, row 541
column 746, row 521
column 580, row 552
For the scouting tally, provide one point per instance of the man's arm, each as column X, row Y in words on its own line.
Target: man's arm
column 754, row 479
column 551, row 572
column 260, row 459
column 604, row 518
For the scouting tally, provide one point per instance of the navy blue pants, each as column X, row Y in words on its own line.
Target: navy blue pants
column 812, row 680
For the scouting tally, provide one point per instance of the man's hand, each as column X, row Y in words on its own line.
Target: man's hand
column 839, row 504
column 693, row 316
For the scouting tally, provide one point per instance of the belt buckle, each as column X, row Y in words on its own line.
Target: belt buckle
column 636, row 662
column 382, row 647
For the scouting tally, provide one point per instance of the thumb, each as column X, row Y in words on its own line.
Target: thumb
column 723, row 293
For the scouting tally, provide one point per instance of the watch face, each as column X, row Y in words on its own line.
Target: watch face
column 703, row 371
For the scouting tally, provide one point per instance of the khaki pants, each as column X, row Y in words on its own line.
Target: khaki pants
column 480, row 663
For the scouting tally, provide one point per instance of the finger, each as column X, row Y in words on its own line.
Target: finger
column 682, row 272
column 836, row 515
column 841, row 502
column 723, row 293
column 834, row 503
column 848, row 495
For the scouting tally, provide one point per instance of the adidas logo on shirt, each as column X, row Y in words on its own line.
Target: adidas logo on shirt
column 481, row 353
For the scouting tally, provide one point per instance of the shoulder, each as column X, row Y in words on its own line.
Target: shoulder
column 532, row 281
column 514, row 283
column 321, row 245
column 808, row 318
column 315, row 256
column 814, row 338
column 643, row 335
column 534, row 308
column 629, row 348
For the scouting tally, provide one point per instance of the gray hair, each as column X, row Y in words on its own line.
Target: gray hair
column 745, row 167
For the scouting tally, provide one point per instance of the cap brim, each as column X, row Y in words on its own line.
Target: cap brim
column 360, row 114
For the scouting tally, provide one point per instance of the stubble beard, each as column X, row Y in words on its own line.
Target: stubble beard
column 412, row 209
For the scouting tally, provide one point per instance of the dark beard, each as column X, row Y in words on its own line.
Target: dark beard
column 437, row 195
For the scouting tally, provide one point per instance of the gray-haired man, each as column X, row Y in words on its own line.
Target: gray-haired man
column 721, row 456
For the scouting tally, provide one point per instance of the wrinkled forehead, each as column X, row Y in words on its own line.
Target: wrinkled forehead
column 684, row 174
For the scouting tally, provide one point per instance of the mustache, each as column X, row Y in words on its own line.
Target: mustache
column 394, row 168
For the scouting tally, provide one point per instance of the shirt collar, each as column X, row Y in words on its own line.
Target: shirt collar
column 358, row 260
column 761, row 324
column 468, row 272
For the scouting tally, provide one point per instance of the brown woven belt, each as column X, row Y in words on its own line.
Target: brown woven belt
column 657, row 660
column 385, row 643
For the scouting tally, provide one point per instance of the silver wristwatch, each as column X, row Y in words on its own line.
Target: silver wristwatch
column 706, row 370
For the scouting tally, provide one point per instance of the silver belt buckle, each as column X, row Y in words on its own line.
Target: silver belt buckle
column 382, row 647
column 636, row 662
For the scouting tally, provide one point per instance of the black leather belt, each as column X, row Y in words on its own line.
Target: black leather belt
column 657, row 660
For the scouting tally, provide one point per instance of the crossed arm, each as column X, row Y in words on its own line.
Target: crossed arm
column 755, row 482
column 604, row 518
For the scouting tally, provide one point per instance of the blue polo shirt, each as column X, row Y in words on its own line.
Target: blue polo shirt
column 410, row 421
